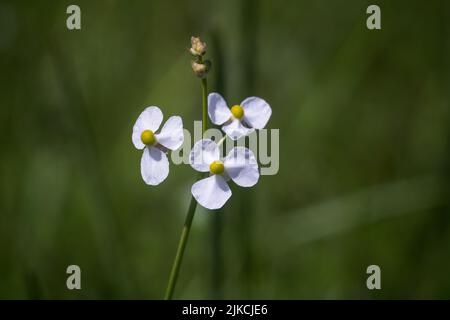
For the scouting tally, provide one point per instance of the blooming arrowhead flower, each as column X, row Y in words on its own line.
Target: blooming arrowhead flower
column 240, row 165
column 154, row 163
column 240, row 120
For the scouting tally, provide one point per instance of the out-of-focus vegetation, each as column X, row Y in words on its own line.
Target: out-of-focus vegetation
column 364, row 164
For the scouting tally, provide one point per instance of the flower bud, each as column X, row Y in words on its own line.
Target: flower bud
column 201, row 68
column 198, row 48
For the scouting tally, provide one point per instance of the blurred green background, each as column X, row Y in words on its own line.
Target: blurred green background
column 364, row 149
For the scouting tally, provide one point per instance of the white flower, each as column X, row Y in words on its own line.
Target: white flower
column 154, row 163
column 240, row 165
column 240, row 120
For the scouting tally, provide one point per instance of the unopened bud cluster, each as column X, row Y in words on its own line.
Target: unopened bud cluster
column 198, row 48
column 199, row 65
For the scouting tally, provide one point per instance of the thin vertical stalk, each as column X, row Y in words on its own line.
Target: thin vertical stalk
column 191, row 211
column 180, row 251
column 204, row 101
column 204, row 104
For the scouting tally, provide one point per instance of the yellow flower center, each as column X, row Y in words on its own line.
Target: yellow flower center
column 148, row 137
column 237, row 111
column 216, row 167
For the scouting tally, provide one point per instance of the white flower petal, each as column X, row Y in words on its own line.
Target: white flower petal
column 218, row 110
column 235, row 129
column 154, row 166
column 171, row 135
column 211, row 192
column 136, row 137
column 203, row 153
column 242, row 167
column 149, row 119
column 257, row 112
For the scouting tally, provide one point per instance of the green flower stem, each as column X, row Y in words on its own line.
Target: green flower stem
column 180, row 251
column 191, row 211
column 204, row 100
column 205, row 104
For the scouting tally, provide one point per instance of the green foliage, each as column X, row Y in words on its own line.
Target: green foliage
column 364, row 128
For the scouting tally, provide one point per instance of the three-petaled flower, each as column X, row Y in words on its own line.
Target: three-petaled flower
column 240, row 120
column 240, row 165
column 154, row 163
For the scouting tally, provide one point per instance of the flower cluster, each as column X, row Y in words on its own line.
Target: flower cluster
column 240, row 165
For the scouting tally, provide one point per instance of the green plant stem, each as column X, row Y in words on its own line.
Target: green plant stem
column 191, row 211
column 180, row 251
column 205, row 105
column 204, row 100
